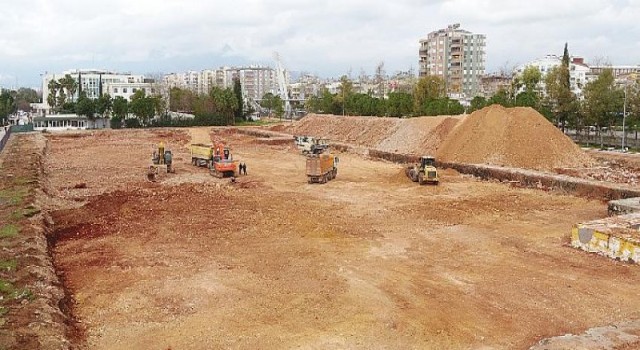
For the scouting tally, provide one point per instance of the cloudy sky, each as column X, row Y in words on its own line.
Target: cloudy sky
column 328, row 38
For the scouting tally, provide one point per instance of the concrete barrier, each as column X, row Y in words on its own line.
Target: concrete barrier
column 624, row 206
column 615, row 237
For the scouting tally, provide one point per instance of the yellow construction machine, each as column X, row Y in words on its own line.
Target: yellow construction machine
column 162, row 163
column 425, row 172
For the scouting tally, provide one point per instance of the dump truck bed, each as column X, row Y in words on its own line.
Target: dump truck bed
column 201, row 151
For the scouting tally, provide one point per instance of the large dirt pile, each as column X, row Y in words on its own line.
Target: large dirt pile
column 363, row 131
column 421, row 135
column 513, row 137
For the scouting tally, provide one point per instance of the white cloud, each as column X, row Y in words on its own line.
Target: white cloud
column 325, row 37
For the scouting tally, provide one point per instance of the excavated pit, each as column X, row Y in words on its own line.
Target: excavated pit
column 368, row 260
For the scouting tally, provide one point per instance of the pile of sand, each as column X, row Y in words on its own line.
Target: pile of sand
column 513, row 137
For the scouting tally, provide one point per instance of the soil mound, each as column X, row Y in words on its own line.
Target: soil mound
column 416, row 136
column 363, row 131
column 513, row 137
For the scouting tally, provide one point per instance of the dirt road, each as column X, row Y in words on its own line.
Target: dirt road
column 368, row 261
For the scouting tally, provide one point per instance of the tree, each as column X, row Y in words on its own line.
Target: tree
column 103, row 105
column 399, row 104
column 364, row 104
column 477, row 103
column 345, row 91
column 225, row 103
column 602, row 100
column 528, row 99
column 69, row 85
column 237, row 92
column 120, row 107
column 442, row 106
column 24, row 97
column 142, row 107
column 633, row 104
column 560, row 99
column 525, row 88
column 278, row 106
column 501, row 97
column 85, row 106
column 52, row 97
column 268, row 102
column 428, row 88
column 7, row 105
column 531, row 77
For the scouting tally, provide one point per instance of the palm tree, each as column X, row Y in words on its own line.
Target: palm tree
column 69, row 84
column 53, row 86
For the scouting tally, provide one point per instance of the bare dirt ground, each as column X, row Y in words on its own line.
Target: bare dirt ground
column 368, row 261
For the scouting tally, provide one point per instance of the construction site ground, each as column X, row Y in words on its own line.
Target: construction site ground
column 369, row 260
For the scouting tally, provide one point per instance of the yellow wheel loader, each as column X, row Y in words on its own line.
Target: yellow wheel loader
column 425, row 172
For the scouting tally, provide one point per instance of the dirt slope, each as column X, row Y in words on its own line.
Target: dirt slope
column 421, row 135
column 513, row 137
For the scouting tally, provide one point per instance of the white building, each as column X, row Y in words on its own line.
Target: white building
column 578, row 71
column 96, row 82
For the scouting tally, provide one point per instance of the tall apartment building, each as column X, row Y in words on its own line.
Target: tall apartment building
column 457, row 56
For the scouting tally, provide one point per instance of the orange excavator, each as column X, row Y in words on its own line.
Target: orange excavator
column 223, row 164
column 216, row 157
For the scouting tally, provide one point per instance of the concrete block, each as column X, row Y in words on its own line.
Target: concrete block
column 616, row 237
column 624, row 206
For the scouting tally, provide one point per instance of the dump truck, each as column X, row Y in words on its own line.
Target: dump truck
column 425, row 172
column 217, row 158
column 161, row 163
column 311, row 145
column 321, row 168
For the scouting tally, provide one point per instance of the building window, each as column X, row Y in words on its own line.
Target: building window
column 115, row 90
column 124, row 90
column 134, row 90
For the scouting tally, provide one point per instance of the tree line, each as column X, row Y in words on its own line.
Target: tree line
column 218, row 107
column 428, row 98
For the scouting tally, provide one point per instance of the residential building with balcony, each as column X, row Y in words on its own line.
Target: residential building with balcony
column 457, row 56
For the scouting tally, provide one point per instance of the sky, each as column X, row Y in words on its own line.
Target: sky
column 327, row 38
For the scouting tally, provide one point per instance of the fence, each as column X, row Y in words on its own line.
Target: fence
column 5, row 137
column 607, row 140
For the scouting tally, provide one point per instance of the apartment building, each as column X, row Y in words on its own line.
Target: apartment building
column 255, row 80
column 578, row 71
column 457, row 56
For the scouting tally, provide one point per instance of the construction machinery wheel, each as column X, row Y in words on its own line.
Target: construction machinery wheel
column 152, row 173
